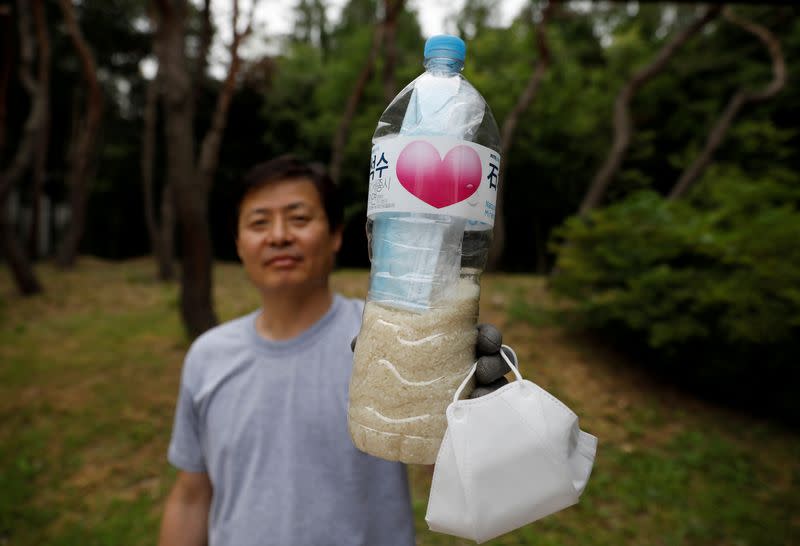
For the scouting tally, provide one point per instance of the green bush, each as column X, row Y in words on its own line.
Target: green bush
column 706, row 289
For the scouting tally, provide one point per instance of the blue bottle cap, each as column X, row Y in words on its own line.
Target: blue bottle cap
column 445, row 45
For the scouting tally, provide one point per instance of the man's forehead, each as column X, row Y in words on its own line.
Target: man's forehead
column 262, row 208
column 282, row 195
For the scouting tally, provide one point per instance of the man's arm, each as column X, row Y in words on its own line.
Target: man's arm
column 185, row 520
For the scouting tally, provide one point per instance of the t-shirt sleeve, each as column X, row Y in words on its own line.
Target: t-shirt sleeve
column 185, row 448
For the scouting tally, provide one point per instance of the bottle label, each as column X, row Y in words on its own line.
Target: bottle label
column 432, row 174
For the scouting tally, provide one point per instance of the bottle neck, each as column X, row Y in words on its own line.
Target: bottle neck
column 443, row 66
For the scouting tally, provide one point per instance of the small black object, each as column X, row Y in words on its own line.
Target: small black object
column 353, row 344
column 489, row 340
column 486, row 389
column 490, row 368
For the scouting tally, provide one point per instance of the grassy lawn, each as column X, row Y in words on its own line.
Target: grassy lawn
column 89, row 373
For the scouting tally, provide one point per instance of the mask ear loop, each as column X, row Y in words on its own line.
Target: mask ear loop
column 512, row 365
column 503, row 354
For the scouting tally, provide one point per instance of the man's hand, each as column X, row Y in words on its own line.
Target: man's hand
column 491, row 368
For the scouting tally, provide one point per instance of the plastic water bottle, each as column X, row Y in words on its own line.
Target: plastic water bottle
column 433, row 186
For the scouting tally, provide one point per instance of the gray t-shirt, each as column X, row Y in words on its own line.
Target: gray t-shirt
column 268, row 422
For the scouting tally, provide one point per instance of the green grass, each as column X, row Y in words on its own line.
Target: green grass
column 89, row 372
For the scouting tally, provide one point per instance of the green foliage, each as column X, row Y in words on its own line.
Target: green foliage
column 288, row 106
column 709, row 283
column 292, row 99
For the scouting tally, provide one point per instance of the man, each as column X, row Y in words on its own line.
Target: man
column 260, row 436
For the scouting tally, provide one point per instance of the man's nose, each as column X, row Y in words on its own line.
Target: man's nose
column 280, row 234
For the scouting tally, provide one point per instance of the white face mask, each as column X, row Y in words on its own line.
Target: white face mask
column 508, row 458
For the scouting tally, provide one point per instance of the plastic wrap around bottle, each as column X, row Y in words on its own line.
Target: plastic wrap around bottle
column 433, row 186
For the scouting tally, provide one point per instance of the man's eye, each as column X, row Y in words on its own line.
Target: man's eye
column 261, row 222
column 300, row 219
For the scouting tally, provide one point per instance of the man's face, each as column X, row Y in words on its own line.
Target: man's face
column 283, row 237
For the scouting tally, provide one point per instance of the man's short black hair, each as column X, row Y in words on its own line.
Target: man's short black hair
column 287, row 167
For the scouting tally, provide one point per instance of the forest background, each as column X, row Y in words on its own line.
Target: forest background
column 650, row 151
column 651, row 160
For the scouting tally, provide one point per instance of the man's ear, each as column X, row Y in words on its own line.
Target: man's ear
column 234, row 230
column 236, row 242
column 337, row 238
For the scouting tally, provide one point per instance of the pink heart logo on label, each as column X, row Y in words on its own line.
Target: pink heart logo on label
column 439, row 182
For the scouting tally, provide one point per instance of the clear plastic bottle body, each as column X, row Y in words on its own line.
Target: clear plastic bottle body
column 465, row 116
column 417, row 338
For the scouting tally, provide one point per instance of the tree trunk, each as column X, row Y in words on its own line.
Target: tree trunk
column 343, row 130
column 147, row 160
column 324, row 34
column 80, row 163
column 21, row 268
column 623, row 127
column 393, row 10
column 197, row 305
column 191, row 183
column 166, row 261
column 40, row 152
column 162, row 248
column 206, row 34
column 209, row 150
column 208, row 161
column 524, row 102
column 196, row 300
column 737, row 101
column 5, row 71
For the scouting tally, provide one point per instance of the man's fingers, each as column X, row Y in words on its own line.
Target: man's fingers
column 489, row 340
column 486, row 389
column 490, row 368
